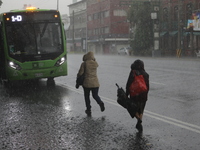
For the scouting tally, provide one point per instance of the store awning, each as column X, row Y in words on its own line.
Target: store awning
column 163, row 33
column 173, row 33
column 196, row 33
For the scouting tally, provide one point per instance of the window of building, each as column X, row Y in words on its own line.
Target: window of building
column 105, row 14
column 90, row 32
column 96, row 31
column 96, row 16
column 83, row 18
column 105, row 30
column 89, row 18
column 119, row 12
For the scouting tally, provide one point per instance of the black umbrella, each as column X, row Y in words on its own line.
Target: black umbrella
column 126, row 102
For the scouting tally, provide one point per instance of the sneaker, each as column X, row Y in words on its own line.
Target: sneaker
column 88, row 112
column 102, row 106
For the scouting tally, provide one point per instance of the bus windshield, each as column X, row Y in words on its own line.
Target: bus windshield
column 32, row 39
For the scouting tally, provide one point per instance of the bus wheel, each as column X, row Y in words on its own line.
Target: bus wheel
column 50, row 82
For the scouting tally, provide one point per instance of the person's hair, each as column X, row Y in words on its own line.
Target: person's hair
column 137, row 65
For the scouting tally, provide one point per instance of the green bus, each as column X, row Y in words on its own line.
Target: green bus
column 32, row 45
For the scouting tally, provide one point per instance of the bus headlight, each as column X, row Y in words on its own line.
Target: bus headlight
column 14, row 65
column 60, row 61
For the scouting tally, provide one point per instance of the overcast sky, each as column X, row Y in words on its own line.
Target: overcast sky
column 49, row 4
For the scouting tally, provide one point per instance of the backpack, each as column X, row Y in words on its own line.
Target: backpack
column 138, row 85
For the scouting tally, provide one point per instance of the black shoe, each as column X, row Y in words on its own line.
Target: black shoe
column 139, row 127
column 77, row 86
column 88, row 112
column 102, row 106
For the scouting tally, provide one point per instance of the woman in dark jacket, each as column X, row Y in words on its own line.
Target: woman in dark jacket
column 140, row 100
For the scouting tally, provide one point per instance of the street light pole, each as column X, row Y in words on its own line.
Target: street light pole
column 57, row 4
column 179, row 29
column 156, row 32
column 73, row 32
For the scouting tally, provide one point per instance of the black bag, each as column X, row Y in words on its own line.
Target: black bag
column 80, row 79
column 126, row 102
column 121, row 97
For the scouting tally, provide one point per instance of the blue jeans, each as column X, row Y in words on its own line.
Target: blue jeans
column 94, row 95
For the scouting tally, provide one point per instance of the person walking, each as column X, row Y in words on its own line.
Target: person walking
column 91, row 82
column 139, row 100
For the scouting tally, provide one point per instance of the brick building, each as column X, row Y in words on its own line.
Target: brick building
column 106, row 28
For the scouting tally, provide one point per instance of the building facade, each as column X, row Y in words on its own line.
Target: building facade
column 77, row 32
column 101, row 26
column 176, row 39
column 108, row 29
column 104, row 26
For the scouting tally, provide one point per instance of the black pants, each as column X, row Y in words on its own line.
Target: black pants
column 95, row 95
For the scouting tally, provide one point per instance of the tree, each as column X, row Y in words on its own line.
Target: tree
column 1, row 2
column 140, row 17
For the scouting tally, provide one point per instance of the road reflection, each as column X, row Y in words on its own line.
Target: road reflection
column 44, row 117
column 36, row 92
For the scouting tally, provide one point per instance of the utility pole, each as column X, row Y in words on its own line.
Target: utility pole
column 1, row 2
column 179, row 46
column 57, row 4
column 73, row 32
column 170, row 25
column 155, row 16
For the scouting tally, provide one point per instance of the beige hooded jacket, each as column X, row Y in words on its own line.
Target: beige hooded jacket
column 89, row 66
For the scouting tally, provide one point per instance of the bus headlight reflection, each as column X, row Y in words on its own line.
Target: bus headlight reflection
column 60, row 61
column 14, row 65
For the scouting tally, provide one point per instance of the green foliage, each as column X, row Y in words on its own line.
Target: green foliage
column 1, row 2
column 143, row 35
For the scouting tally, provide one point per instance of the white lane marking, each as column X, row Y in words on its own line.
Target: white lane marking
column 173, row 120
column 170, row 98
column 174, row 123
column 157, row 83
column 162, row 118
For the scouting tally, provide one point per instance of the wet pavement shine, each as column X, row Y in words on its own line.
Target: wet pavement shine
column 42, row 118
column 36, row 117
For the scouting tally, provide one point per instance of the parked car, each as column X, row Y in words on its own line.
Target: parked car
column 123, row 51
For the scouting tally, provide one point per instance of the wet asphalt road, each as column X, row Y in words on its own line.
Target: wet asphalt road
column 37, row 117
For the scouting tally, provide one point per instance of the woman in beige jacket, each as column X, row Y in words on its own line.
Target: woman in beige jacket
column 91, row 82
